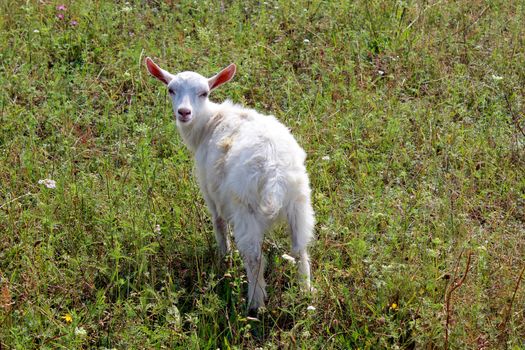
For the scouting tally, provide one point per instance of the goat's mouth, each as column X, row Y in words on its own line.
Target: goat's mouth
column 183, row 118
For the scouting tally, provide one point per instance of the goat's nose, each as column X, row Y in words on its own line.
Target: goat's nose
column 184, row 112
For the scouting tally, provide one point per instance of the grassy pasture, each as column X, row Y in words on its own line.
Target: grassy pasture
column 412, row 116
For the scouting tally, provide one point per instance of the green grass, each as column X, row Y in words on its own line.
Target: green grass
column 412, row 116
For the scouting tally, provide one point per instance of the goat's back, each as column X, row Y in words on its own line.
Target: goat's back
column 250, row 161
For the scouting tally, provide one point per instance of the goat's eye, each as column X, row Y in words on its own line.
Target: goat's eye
column 170, row 90
column 203, row 94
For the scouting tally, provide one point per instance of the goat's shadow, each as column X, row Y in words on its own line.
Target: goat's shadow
column 205, row 275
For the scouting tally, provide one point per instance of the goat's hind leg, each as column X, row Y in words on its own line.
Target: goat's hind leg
column 301, row 224
column 248, row 233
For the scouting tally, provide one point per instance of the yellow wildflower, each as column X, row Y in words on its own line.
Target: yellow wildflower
column 68, row 318
column 394, row 306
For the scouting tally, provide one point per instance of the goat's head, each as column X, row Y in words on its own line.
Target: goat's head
column 189, row 90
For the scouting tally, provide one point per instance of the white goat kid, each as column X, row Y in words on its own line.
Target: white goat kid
column 250, row 170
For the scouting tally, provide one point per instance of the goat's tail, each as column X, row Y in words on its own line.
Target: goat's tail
column 272, row 198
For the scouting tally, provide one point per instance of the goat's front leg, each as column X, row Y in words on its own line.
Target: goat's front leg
column 221, row 235
column 220, row 227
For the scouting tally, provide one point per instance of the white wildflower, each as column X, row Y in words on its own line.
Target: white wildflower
column 326, row 158
column 173, row 317
column 80, row 332
column 311, row 308
column 36, row 31
column 305, row 334
column 127, row 9
column 306, row 41
column 289, row 258
column 497, row 77
column 381, row 72
column 48, row 183
column 157, row 228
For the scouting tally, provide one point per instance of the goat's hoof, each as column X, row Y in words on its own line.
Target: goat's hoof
column 252, row 313
column 308, row 289
column 256, row 306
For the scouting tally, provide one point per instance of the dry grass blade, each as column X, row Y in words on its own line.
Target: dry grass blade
column 448, row 304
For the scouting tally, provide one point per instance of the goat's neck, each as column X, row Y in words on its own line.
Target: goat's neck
column 195, row 134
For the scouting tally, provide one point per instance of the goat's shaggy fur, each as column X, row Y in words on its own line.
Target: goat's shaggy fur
column 250, row 170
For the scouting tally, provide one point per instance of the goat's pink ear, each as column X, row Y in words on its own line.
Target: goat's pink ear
column 158, row 72
column 222, row 77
